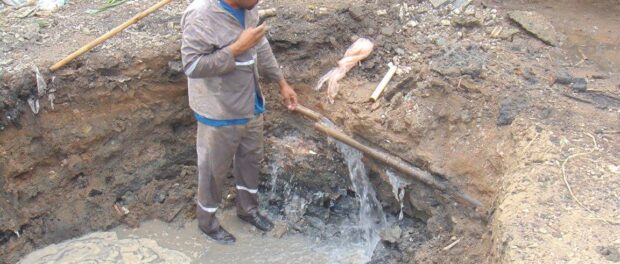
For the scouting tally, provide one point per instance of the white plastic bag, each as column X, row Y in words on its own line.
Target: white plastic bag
column 46, row 5
column 360, row 50
column 51, row 5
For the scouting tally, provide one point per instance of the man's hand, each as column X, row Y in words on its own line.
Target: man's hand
column 289, row 97
column 248, row 39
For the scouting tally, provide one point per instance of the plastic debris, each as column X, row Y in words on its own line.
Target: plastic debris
column 44, row 5
column 51, row 97
column 13, row 2
column 41, row 84
column 51, row 5
column 34, row 104
column 360, row 50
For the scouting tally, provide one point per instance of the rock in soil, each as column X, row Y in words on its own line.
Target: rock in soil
column 580, row 85
column 537, row 25
column 280, row 229
column 509, row 108
column 387, row 30
column 563, row 77
column 610, row 253
column 391, row 234
column 356, row 13
column 467, row 21
column 438, row 3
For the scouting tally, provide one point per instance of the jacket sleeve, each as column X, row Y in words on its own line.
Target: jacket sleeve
column 201, row 57
column 267, row 65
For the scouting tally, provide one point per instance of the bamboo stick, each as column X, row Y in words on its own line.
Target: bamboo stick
column 386, row 158
column 314, row 116
column 395, row 162
column 108, row 35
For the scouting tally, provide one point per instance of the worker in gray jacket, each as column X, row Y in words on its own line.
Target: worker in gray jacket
column 224, row 51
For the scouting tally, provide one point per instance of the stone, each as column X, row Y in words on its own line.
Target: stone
column 280, row 229
column 461, row 4
column 438, row 3
column 508, row 33
column 315, row 222
column 537, row 25
column 128, row 198
column 610, row 253
column 509, row 109
column 391, row 234
column 467, row 21
column 470, row 86
column 317, row 211
column 31, row 31
column 466, row 116
column 563, row 77
column 387, row 31
column 445, row 22
column 344, row 204
column 440, row 41
column 159, row 197
column 94, row 192
column 175, row 66
column 471, row 10
column 579, row 85
column 333, row 41
column 357, row 13
column 400, row 51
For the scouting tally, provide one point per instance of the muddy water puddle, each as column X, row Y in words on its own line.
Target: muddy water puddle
column 159, row 242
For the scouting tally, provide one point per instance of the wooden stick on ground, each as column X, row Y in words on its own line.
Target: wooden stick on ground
column 386, row 79
column 108, row 35
column 386, row 158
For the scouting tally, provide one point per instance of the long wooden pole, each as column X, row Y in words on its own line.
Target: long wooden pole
column 108, row 35
column 386, row 158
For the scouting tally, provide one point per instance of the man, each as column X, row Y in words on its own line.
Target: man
column 223, row 51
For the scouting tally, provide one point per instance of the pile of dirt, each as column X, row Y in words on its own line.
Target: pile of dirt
column 477, row 100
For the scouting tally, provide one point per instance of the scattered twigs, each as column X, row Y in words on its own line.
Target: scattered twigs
column 448, row 247
column 570, row 189
column 108, row 35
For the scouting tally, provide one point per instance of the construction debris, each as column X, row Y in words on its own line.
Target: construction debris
column 438, row 3
column 537, row 25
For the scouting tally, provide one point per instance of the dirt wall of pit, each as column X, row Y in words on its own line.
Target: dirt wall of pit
column 478, row 111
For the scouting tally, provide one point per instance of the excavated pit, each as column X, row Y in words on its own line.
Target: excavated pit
column 118, row 149
column 114, row 146
column 120, row 153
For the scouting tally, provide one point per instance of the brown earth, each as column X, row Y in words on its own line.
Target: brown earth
column 485, row 113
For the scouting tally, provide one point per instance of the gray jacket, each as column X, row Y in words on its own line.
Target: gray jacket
column 221, row 86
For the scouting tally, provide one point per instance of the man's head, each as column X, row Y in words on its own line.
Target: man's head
column 245, row 4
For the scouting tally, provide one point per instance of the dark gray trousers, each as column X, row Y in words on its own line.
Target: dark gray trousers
column 218, row 147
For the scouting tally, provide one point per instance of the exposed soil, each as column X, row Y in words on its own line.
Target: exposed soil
column 492, row 115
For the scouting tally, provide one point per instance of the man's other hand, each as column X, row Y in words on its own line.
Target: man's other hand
column 289, row 97
column 248, row 39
